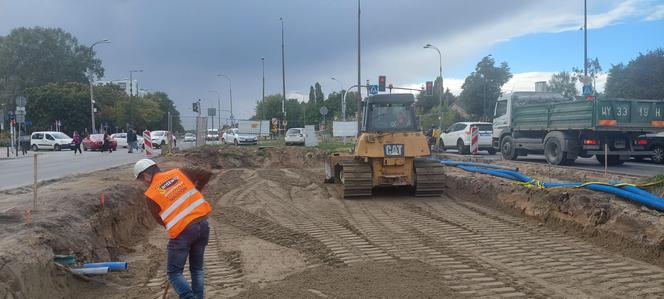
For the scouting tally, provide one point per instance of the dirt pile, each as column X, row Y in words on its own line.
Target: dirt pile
column 67, row 221
column 216, row 157
column 604, row 218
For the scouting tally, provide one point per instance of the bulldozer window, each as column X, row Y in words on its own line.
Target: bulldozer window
column 391, row 117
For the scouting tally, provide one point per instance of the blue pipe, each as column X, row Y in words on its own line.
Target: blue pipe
column 628, row 192
column 112, row 266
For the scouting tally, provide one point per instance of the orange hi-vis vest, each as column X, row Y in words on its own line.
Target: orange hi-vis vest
column 179, row 200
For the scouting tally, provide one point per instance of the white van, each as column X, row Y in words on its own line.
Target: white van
column 50, row 140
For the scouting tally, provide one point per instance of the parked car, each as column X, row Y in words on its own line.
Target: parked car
column 294, row 136
column 160, row 138
column 50, row 140
column 458, row 136
column 651, row 142
column 212, row 135
column 94, row 142
column 234, row 137
column 189, row 137
column 121, row 139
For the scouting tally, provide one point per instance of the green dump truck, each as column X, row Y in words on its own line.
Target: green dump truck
column 564, row 128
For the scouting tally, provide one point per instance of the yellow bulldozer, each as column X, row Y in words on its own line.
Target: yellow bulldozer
column 391, row 150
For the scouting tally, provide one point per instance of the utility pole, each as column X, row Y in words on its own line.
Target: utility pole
column 283, row 71
column 263, row 97
column 585, row 39
column 230, row 92
column 343, row 99
column 359, row 74
column 91, row 79
column 131, row 94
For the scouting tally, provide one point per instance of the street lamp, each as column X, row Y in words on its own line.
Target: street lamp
column 92, row 97
column 230, row 91
column 343, row 102
column 219, row 107
column 440, row 93
column 263, row 98
column 484, row 117
column 131, row 93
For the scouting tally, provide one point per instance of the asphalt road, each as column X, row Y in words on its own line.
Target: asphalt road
column 645, row 168
column 52, row 165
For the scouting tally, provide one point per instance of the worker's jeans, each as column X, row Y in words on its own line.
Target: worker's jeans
column 191, row 242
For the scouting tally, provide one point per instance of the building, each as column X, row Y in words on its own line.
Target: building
column 124, row 84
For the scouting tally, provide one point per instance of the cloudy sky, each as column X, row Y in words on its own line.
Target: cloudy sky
column 183, row 45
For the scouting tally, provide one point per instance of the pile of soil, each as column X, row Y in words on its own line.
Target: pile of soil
column 605, row 219
column 226, row 157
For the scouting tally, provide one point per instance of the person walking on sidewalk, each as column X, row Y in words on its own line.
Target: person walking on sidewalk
column 106, row 145
column 131, row 140
column 175, row 201
column 76, row 139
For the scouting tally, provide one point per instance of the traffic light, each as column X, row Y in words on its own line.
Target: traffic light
column 429, row 88
column 381, row 83
column 195, row 107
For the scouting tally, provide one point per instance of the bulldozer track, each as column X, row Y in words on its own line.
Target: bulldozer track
column 429, row 178
column 356, row 179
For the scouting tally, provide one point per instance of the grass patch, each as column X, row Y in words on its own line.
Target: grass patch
column 333, row 146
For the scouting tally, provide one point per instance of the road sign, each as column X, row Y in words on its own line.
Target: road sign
column 20, row 118
column 587, row 90
column 11, row 115
column 323, row 110
column 373, row 89
column 21, row 101
column 212, row 111
column 28, row 122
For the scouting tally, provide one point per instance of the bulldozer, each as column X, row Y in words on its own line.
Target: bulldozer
column 391, row 151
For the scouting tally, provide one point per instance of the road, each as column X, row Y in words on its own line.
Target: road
column 52, row 165
column 645, row 168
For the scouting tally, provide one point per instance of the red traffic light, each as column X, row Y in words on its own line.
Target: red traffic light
column 429, row 88
column 381, row 83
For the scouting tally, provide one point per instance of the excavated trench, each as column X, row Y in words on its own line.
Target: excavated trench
column 278, row 231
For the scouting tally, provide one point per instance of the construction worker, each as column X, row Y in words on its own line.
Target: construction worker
column 175, row 202
column 436, row 135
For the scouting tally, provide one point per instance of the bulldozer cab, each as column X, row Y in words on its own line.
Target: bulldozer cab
column 389, row 113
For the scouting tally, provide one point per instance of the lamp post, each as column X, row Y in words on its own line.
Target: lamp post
column 359, row 76
column 263, row 97
column 131, row 93
column 230, row 91
column 440, row 73
column 283, row 70
column 92, row 97
column 343, row 99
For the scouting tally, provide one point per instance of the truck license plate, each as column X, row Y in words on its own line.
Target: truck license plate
column 393, row 149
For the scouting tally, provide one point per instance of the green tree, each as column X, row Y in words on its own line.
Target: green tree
column 483, row 86
column 67, row 102
column 642, row 77
column 320, row 96
column 166, row 105
column 31, row 57
column 563, row 83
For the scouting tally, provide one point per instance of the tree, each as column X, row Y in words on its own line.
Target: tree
column 31, row 57
column 483, row 86
column 67, row 102
column 642, row 77
column 320, row 97
column 563, row 83
column 166, row 105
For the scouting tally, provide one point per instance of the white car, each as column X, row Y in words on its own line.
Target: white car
column 294, row 136
column 212, row 135
column 160, row 138
column 189, row 137
column 458, row 136
column 234, row 137
column 50, row 140
column 121, row 139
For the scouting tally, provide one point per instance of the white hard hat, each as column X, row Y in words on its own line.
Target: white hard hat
column 141, row 166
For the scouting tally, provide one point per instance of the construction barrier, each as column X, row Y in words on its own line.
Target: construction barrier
column 474, row 139
column 147, row 141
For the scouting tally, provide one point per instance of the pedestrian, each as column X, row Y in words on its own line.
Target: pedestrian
column 175, row 201
column 76, row 139
column 131, row 140
column 106, row 145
